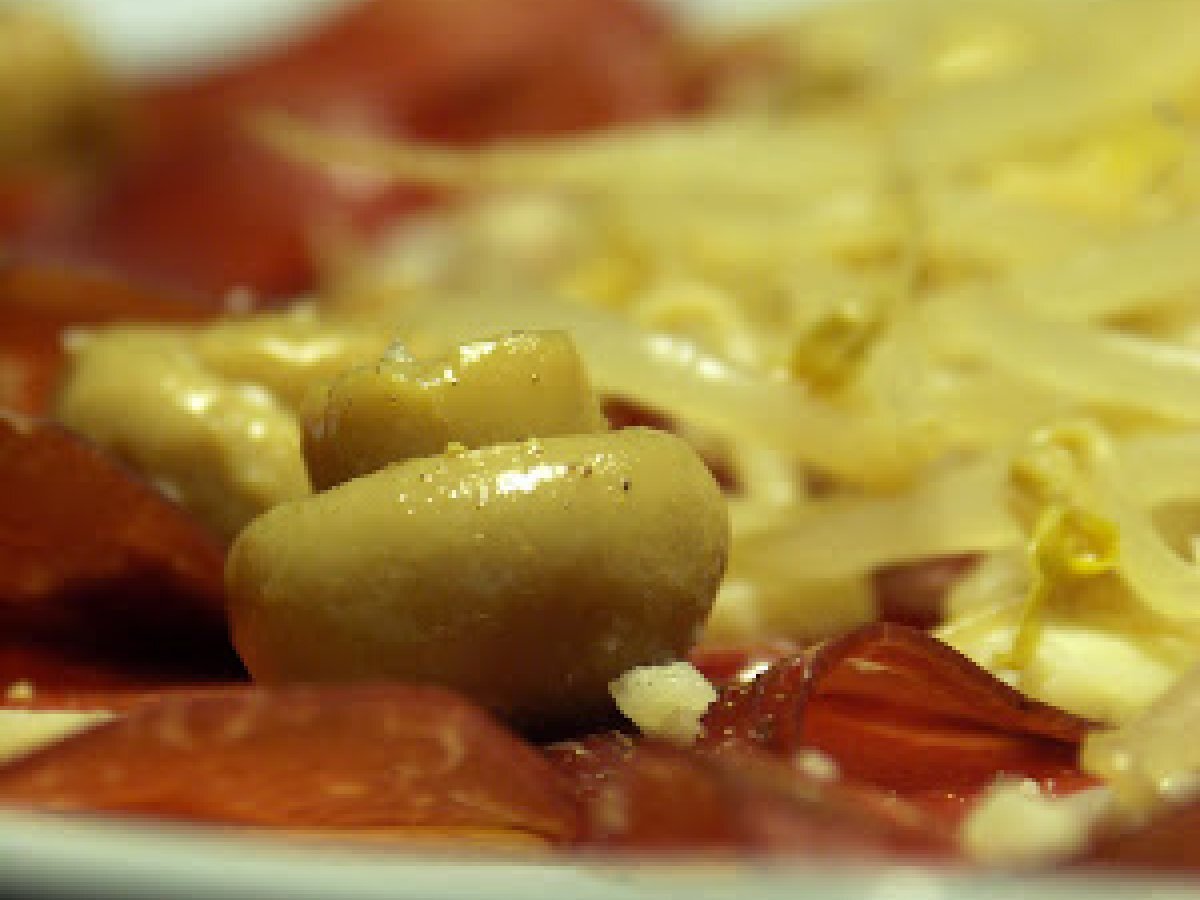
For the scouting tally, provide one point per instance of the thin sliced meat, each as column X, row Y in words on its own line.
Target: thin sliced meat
column 646, row 796
column 91, row 554
column 895, row 708
column 371, row 757
column 383, row 60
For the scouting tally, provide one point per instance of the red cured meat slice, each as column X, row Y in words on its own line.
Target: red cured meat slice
column 303, row 757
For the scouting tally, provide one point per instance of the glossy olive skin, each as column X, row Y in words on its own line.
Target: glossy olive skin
column 527, row 575
column 209, row 413
column 508, row 388
column 226, row 450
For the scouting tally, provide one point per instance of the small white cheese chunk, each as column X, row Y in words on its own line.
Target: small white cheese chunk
column 816, row 765
column 22, row 730
column 20, row 691
column 1013, row 824
column 665, row 701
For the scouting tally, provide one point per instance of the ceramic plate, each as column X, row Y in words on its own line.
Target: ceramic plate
column 49, row 857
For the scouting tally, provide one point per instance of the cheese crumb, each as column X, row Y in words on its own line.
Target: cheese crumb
column 20, row 692
column 816, row 765
column 665, row 701
column 1013, row 824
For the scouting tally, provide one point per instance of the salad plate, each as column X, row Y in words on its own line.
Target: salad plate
column 49, row 856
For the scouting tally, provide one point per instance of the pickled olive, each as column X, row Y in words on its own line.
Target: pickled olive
column 287, row 352
column 224, row 450
column 400, row 408
column 209, row 413
column 527, row 575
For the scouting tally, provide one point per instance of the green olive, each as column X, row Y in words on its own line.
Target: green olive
column 527, row 575
column 226, row 450
column 209, row 412
column 509, row 388
column 289, row 352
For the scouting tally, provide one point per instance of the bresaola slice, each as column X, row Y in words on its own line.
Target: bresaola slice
column 650, row 797
column 93, row 556
column 409, row 762
column 889, row 710
column 327, row 761
column 898, row 709
column 647, row 796
column 371, row 758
